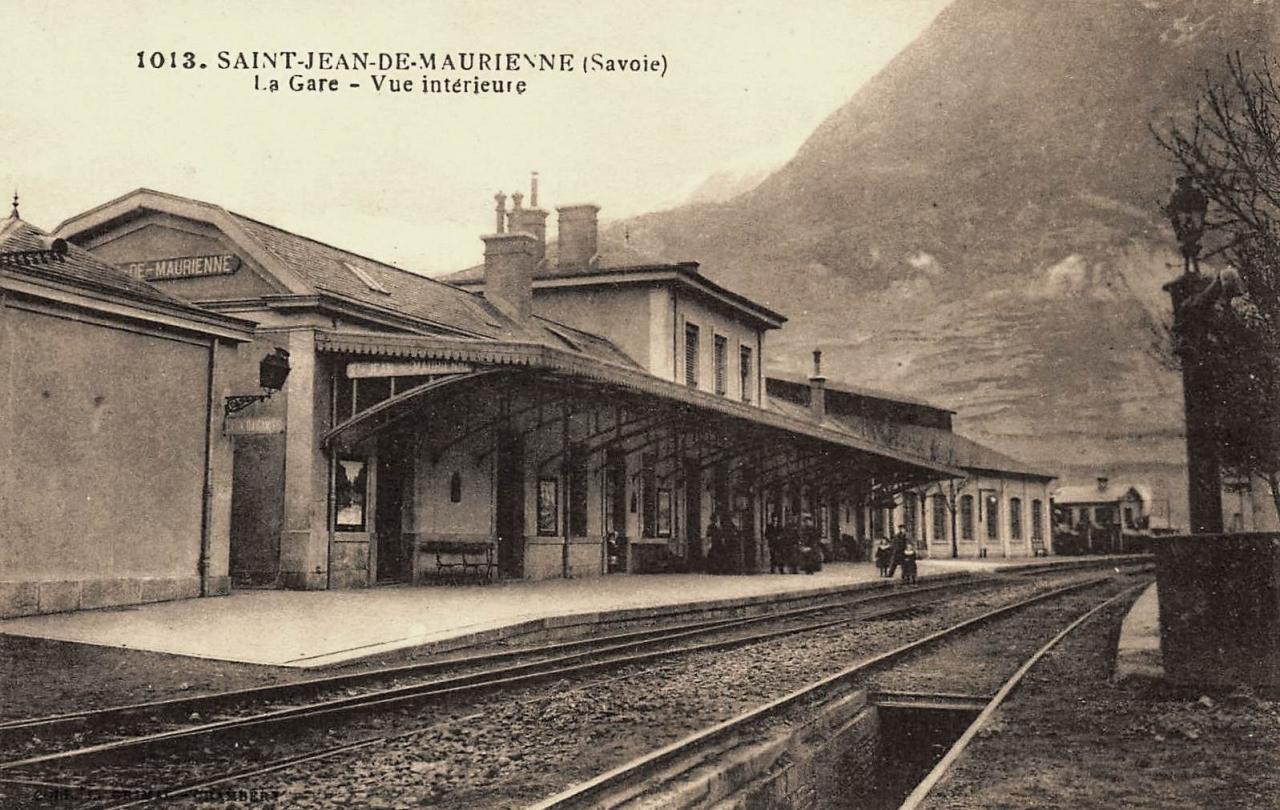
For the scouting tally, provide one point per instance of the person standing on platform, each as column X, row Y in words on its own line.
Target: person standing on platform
column 731, row 546
column 899, row 543
column 716, row 539
column 909, row 564
column 884, row 553
column 791, row 544
column 810, row 551
column 777, row 548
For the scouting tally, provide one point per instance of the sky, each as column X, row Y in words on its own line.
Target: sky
column 409, row 177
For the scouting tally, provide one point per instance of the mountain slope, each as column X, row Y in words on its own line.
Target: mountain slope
column 980, row 224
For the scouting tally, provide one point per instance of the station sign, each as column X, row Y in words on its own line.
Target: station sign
column 253, row 425
column 404, row 368
column 222, row 264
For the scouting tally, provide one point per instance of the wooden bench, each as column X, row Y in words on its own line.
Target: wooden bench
column 468, row 560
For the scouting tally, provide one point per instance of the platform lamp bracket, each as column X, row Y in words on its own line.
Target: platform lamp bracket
column 272, row 372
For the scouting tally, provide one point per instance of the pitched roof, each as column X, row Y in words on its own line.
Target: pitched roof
column 29, row 250
column 314, row 267
column 619, row 263
column 928, row 443
column 842, row 387
column 1092, row 493
column 325, row 268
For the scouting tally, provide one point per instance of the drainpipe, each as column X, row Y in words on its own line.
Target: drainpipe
column 206, row 492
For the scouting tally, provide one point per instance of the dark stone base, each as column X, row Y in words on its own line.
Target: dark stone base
column 1220, row 608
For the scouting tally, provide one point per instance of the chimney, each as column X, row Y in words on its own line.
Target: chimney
column 532, row 220
column 578, row 234
column 509, row 259
column 500, row 210
column 1102, row 483
column 818, row 389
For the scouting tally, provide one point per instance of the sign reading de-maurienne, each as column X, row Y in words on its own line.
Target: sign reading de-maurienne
column 185, row 267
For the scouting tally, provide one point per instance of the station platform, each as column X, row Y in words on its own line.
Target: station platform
column 1138, row 648
column 311, row 629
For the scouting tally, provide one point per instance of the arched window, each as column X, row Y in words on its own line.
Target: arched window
column 966, row 517
column 939, row 519
column 910, row 512
column 455, row 488
column 1037, row 519
column 1015, row 518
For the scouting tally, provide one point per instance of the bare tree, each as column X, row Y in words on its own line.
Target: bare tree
column 949, row 491
column 1230, row 147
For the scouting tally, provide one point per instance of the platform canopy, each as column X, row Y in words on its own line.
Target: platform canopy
column 712, row 429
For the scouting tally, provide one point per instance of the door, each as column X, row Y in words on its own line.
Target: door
column 693, row 515
column 615, row 512
column 509, row 506
column 395, row 476
column 257, row 509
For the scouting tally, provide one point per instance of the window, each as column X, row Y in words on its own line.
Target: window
column 648, row 497
column 691, row 355
column 548, row 507
column 877, row 522
column 1037, row 519
column 966, row 517
column 910, row 510
column 939, row 519
column 455, row 488
column 721, row 358
column 1015, row 518
column 993, row 517
column 663, row 516
column 367, row 278
column 349, row 494
column 745, row 372
column 1128, row 518
column 615, row 490
column 576, row 483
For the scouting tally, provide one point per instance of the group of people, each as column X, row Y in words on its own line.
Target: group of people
column 793, row 547
column 724, row 543
column 901, row 552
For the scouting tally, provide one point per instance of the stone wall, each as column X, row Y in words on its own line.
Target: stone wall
column 1220, row 608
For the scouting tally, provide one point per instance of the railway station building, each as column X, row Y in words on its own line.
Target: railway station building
column 111, row 396
column 561, row 409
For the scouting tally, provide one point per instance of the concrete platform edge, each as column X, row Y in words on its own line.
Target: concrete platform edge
column 1138, row 655
column 594, row 619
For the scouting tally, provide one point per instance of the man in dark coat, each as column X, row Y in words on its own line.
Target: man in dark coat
column 899, row 544
column 777, row 548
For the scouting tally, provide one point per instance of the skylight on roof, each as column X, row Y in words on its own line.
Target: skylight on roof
column 369, row 281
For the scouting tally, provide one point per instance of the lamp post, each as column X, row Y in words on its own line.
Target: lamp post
column 1186, row 212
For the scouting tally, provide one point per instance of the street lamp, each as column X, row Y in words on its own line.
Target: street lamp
column 272, row 372
column 1186, row 212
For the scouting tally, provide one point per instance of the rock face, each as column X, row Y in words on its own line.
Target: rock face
column 980, row 224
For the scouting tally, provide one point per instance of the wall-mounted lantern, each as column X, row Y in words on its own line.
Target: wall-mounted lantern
column 272, row 373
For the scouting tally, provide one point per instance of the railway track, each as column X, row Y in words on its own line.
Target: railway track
column 129, row 732
column 685, row 773
column 57, row 772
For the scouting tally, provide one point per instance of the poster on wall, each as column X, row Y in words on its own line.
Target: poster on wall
column 349, row 495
